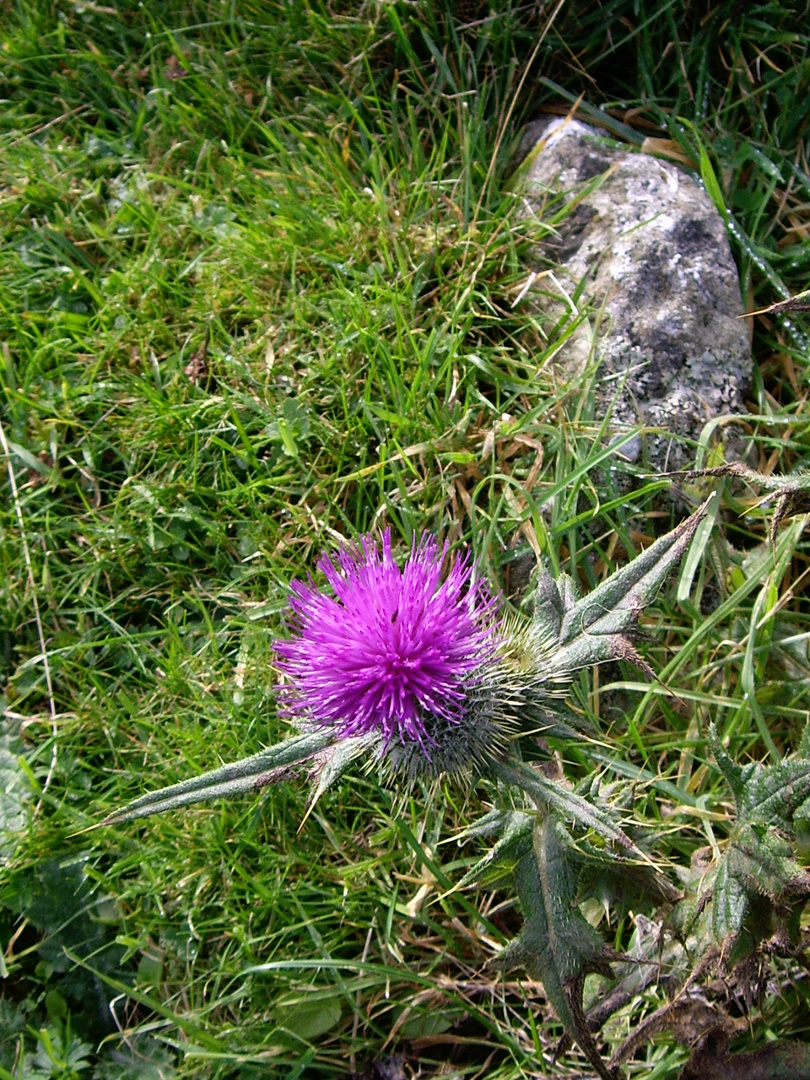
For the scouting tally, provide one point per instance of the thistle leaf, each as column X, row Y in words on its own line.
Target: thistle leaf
column 791, row 492
column 769, row 795
column 555, row 796
column 329, row 764
column 494, row 822
column 799, row 302
column 239, row 778
column 759, row 861
column 596, row 628
column 557, row 945
column 729, row 902
column 509, row 850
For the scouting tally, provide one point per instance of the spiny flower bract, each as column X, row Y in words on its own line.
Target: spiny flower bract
column 394, row 650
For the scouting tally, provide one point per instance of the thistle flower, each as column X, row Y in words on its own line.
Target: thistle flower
column 401, row 652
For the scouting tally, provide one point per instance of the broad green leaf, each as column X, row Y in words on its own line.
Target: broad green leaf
column 308, row 1020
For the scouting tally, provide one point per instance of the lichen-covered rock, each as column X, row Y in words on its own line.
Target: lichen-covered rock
column 652, row 253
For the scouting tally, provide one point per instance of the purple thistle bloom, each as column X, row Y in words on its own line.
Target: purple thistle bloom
column 395, row 650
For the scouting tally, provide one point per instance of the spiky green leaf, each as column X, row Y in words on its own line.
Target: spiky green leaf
column 598, row 627
column 568, row 804
column 508, row 851
column 791, row 493
column 557, row 945
column 329, row 764
column 239, row 778
column 758, row 859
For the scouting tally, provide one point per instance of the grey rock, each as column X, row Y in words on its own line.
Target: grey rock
column 651, row 252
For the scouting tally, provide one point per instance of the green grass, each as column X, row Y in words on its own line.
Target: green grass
column 256, row 294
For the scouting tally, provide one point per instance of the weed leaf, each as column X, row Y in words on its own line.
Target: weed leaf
column 758, row 862
column 791, row 492
column 557, row 945
column 507, row 852
column 239, row 778
column 597, row 628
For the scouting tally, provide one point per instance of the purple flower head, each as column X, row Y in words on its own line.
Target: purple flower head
column 395, row 651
